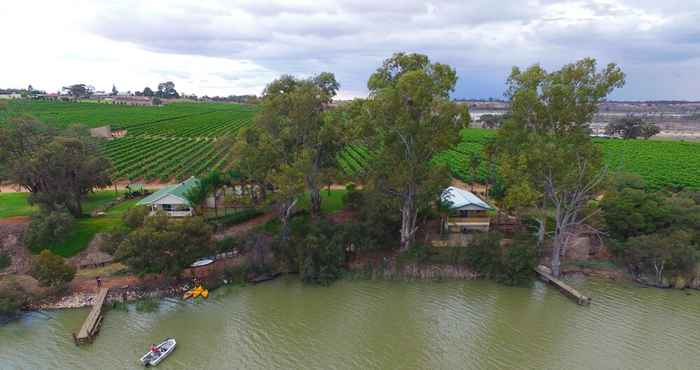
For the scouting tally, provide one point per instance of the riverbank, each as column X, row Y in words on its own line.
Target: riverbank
column 129, row 288
column 371, row 266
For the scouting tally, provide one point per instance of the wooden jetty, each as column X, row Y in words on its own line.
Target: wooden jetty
column 92, row 323
column 546, row 275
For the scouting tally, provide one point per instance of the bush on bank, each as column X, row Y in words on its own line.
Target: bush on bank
column 653, row 233
column 12, row 298
column 51, row 270
column 509, row 261
column 163, row 244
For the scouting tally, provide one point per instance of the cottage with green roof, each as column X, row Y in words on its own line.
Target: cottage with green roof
column 468, row 212
column 172, row 199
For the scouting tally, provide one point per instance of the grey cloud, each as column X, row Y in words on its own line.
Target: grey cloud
column 351, row 38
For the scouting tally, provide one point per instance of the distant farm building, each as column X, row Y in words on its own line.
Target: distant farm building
column 107, row 132
column 10, row 96
column 467, row 212
column 132, row 100
column 172, row 199
column 104, row 131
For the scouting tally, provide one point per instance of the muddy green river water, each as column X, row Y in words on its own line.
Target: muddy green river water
column 380, row 325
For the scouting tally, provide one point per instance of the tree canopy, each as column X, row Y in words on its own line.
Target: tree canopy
column 57, row 168
column 407, row 119
column 165, row 90
column 294, row 141
column 165, row 245
column 544, row 150
column 51, row 270
column 632, row 127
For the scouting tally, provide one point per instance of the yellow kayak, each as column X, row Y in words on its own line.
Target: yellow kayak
column 205, row 293
column 196, row 292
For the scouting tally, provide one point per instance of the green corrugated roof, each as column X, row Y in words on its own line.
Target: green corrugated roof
column 178, row 190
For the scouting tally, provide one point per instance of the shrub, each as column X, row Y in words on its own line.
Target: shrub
column 322, row 255
column 236, row 274
column 236, row 218
column 316, row 250
column 659, row 253
column 510, row 265
column 228, row 244
column 517, row 263
column 353, row 198
column 417, row 253
column 378, row 224
column 5, row 260
column 52, row 270
column 12, row 298
column 112, row 239
column 484, row 253
column 165, row 245
column 47, row 228
column 135, row 217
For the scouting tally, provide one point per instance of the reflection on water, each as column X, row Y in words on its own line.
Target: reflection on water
column 380, row 325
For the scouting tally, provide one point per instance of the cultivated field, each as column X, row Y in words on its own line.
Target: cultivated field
column 166, row 143
column 660, row 163
column 176, row 141
column 174, row 149
column 63, row 114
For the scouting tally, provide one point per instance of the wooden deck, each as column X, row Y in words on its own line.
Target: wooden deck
column 92, row 323
column 545, row 274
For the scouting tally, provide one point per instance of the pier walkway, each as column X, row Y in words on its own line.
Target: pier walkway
column 546, row 275
column 92, row 323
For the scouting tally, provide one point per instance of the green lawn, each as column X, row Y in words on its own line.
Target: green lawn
column 329, row 202
column 15, row 204
column 86, row 228
column 99, row 199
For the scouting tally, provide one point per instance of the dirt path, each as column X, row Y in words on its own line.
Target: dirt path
column 121, row 185
column 89, row 285
column 245, row 227
column 15, row 220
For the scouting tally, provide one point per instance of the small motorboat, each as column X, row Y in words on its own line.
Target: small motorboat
column 152, row 358
column 202, row 262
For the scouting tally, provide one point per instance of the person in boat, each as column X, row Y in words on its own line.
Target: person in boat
column 154, row 349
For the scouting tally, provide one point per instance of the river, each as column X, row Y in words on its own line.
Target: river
column 380, row 325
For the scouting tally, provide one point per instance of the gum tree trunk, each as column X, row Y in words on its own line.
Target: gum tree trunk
column 408, row 219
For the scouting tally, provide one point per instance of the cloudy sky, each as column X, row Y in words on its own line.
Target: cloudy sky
column 222, row 47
